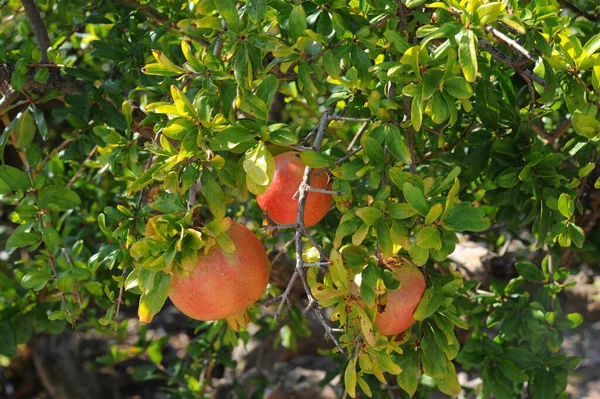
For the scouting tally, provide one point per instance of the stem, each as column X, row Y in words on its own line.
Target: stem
column 38, row 26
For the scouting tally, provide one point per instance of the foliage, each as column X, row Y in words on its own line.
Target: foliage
column 153, row 125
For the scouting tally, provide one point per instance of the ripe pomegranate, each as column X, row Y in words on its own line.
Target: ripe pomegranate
column 277, row 201
column 223, row 285
column 401, row 302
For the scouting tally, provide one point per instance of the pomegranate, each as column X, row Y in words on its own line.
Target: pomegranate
column 277, row 201
column 223, row 285
column 401, row 302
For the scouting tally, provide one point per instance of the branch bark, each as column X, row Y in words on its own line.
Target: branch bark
column 63, row 84
column 509, row 62
column 38, row 26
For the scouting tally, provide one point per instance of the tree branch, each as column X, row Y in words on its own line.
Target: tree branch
column 62, row 84
column 410, row 140
column 556, row 133
column 509, row 62
column 38, row 26
column 577, row 11
column 301, row 232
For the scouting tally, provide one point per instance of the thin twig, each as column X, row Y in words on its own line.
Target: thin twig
column 39, row 28
column 509, row 62
column 577, row 11
column 509, row 42
column 278, row 227
column 55, row 151
column 347, row 156
column 219, row 44
column 323, row 191
column 379, row 23
column 82, row 166
column 410, row 140
column 348, row 119
column 357, row 135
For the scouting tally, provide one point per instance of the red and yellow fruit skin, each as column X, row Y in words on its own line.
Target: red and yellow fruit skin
column 402, row 302
column 277, row 201
column 223, row 284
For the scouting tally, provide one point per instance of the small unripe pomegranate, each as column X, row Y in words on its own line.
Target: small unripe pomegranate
column 223, row 285
column 402, row 302
column 278, row 202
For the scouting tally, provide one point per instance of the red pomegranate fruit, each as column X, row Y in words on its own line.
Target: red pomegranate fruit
column 278, row 202
column 223, row 285
column 402, row 302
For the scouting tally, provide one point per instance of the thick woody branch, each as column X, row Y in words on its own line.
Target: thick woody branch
column 301, row 232
column 38, row 26
column 62, row 84
column 9, row 97
column 509, row 62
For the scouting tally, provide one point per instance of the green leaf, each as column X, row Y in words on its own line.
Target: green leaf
column 433, row 358
column 565, row 205
column 512, row 372
column 331, row 64
column 259, row 166
column 182, row 103
column 374, row 151
column 229, row 12
column 396, row 144
column 267, row 88
column 431, row 301
column 384, row 238
column 529, row 271
column 458, row 87
column 14, row 178
column 369, row 214
column 429, row 237
column 542, row 385
column 178, row 128
column 465, row 218
column 434, row 213
column 448, row 383
column 408, row 379
column 304, row 77
column 63, row 198
column 35, row 280
column 467, row 55
column 24, row 129
column 585, row 122
column 212, row 191
column 51, row 238
column 416, row 113
column 40, row 121
column 488, row 13
column 166, row 63
column 316, row 159
column 297, row 22
column 401, row 210
column 19, row 239
column 361, row 62
column 350, row 378
column 256, row 9
column 415, row 197
column 339, row 274
column 152, row 301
